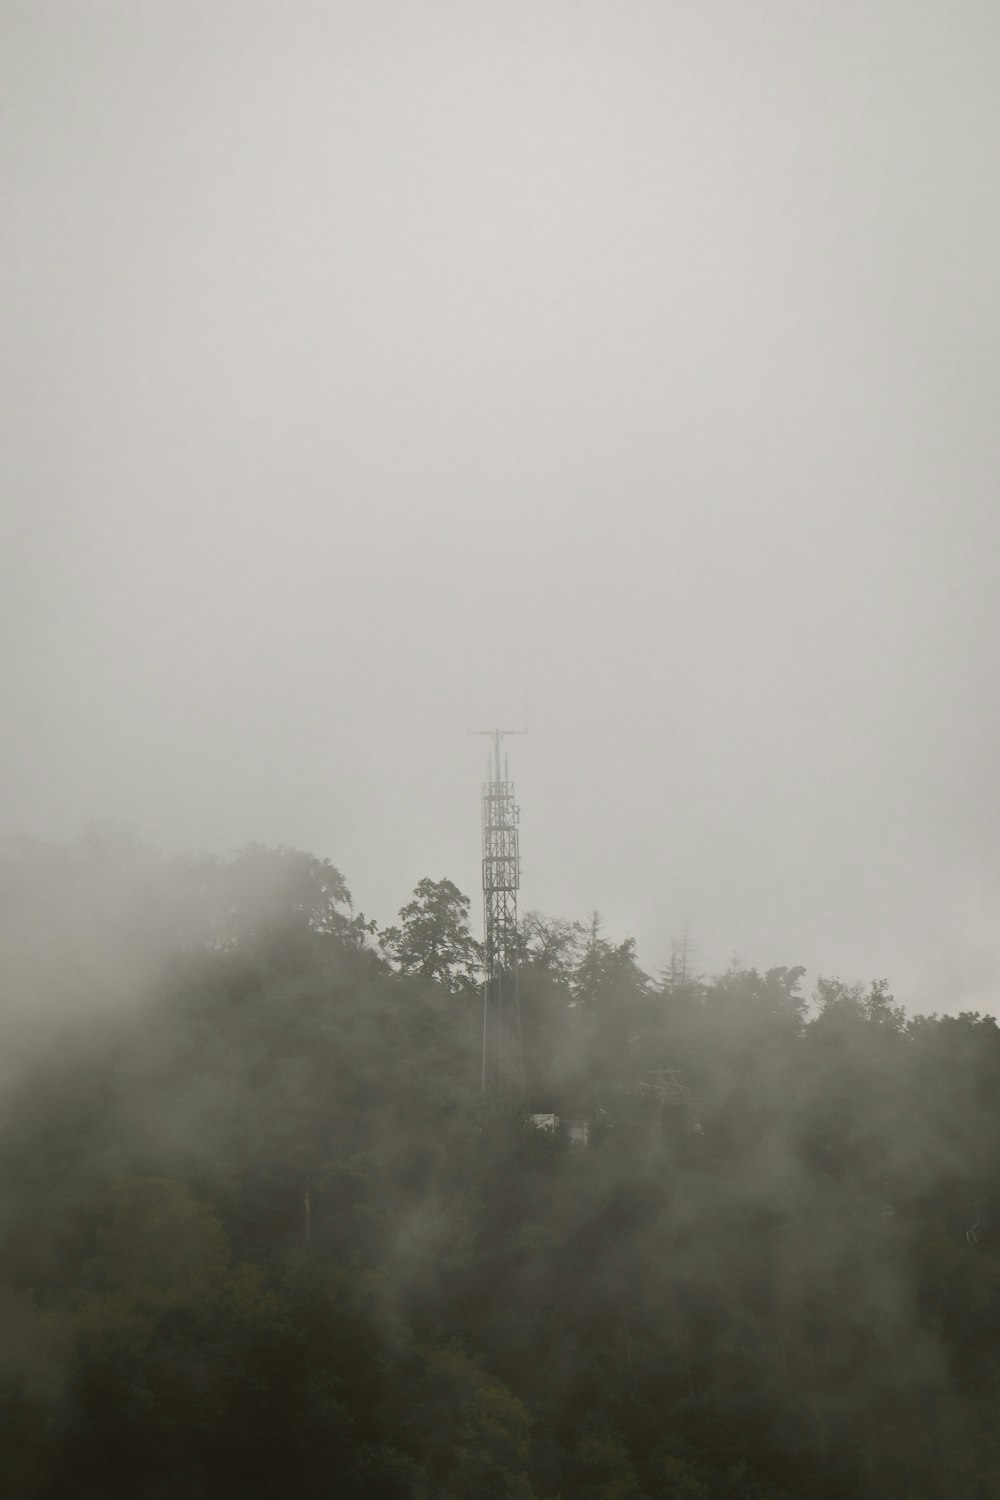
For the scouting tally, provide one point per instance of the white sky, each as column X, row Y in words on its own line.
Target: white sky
column 376, row 371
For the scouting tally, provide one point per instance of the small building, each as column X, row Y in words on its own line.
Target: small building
column 577, row 1132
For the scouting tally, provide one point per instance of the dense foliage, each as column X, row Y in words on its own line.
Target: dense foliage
column 259, row 1235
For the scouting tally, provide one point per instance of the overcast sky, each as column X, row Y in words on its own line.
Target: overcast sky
column 376, row 371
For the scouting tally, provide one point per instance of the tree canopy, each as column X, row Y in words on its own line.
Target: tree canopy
column 261, row 1235
column 434, row 939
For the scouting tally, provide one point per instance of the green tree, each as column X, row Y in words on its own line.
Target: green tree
column 607, row 974
column 434, row 940
column 155, row 1245
column 601, row 1469
column 469, row 1432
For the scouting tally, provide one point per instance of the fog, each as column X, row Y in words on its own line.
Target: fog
column 373, row 373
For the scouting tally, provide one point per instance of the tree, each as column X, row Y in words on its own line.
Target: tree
column 550, row 946
column 848, row 1004
column 607, row 973
column 434, row 940
column 785, row 1286
column 155, row 1244
column 265, row 887
column 680, row 971
column 267, row 896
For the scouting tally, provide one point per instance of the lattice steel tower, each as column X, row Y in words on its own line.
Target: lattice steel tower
column 503, row 1065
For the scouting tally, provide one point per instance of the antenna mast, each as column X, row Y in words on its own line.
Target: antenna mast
column 503, row 1063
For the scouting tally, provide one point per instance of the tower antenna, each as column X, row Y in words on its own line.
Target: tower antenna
column 503, row 1062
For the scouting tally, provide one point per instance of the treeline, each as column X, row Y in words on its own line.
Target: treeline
column 260, row 1236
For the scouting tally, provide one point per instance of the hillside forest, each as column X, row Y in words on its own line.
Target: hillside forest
column 261, row 1235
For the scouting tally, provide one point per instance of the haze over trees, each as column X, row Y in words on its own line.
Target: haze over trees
column 260, row 1236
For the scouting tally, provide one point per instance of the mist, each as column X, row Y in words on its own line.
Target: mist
column 260, row 1226
column 376, row 374
column 373, row 375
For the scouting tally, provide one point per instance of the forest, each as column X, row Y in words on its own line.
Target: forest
column 261, row 1235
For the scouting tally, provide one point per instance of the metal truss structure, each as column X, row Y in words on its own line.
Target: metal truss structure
column 503, row 1064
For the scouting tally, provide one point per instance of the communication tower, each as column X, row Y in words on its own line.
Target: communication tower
column 503, row 1064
